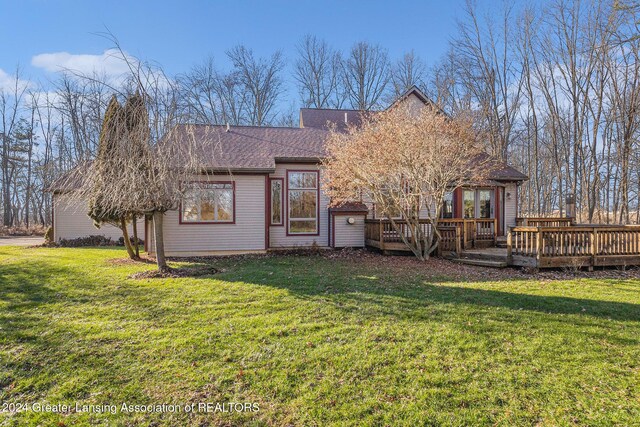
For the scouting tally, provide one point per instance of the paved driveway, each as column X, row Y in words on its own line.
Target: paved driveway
column 21, row 240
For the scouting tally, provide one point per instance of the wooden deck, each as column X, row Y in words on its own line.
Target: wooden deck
column 575, row 246
column 551, row 243
column 457, row 234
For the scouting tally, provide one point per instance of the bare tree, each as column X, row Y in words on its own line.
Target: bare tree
column 489, row 69
column 155, row 156
column 407, row 162
column 10, row 107
column 317, row 71
column 261, row 79
column 366, row 75
column 408, row 71
column 209, row 96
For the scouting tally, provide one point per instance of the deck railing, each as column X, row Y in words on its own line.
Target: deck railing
column 582, row 246
column 544, row 222
column 450, row 240
column 381, row 233
column 473, row 229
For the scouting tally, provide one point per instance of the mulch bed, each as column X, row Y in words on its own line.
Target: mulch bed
column 175, row 273
column 129, row 261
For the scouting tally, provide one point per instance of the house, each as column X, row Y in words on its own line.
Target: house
column 263, row 192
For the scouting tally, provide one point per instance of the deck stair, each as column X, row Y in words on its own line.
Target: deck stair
column 488, row 257
column 501, row 242
column 480, row 262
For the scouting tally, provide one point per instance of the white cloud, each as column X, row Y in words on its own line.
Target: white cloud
column 8, row 82
column 110, row 63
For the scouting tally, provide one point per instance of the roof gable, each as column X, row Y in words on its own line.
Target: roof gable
column 416, row 99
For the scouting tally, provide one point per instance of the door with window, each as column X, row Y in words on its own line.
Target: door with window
column 478, row 203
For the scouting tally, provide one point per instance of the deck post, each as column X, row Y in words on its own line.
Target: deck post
column 464, row 233
column 509, row 248
column 381, row 229
column 495, row 231
column 538, row 246
column 594, row 248
column 458, row 244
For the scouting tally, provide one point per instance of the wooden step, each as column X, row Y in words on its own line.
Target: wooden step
column 481, row 262
column 484, row 256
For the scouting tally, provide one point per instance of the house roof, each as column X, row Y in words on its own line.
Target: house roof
column 414, row 90
column 250, row 148
column 350, row 207
column 70, row 180
column 501, row 171
column 324, row 118
column 258, row 149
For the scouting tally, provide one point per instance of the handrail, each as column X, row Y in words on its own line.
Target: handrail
column 586, row 242
column 470, row 229
column 544, row 221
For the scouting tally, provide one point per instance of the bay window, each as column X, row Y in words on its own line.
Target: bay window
column 302, row 202
column 208, row 202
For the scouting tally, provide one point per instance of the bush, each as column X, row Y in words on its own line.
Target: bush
column 87, row 241
column 48, row 235
column 132, row 240
column 21, row 230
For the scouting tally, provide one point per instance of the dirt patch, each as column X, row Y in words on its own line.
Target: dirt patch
column 175, row 273
column 129, row 261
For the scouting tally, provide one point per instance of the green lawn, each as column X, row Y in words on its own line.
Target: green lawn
column 315, row 341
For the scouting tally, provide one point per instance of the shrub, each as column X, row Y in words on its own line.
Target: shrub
column 133, row 242
column 48, row 235
column 87, row 241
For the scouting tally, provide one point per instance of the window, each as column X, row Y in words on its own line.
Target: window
column 447, row 206
column 276, row 201
column 208, row 202
column 469, row 203
column 302, row 194
column 484, row 203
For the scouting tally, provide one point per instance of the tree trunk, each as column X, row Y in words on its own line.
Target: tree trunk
column 125, row 236
column 159, row 241
column 136, row 242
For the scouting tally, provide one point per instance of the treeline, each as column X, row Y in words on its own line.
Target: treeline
column 555, row 89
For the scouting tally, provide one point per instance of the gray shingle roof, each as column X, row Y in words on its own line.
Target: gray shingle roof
column 501, row 171
column 350, row 207
column 320, row 118
column 254, row 148
column 257, row 149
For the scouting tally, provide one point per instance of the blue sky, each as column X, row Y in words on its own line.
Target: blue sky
column 181, row 34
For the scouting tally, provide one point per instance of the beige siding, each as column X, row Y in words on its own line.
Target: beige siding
column 278, row 234
column 70, row 221
column 349, row 235
column 246, row 235
column 414, row 103
column 510, row 206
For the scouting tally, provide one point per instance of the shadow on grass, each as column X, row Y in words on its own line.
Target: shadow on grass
column 408, row 295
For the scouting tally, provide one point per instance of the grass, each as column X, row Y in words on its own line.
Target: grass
column 314, row 341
